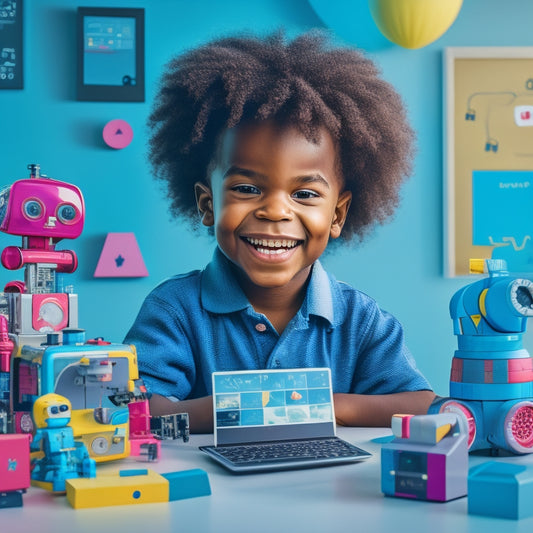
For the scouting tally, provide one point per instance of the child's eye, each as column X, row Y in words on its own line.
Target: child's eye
column 246, row 189
column 305, row 194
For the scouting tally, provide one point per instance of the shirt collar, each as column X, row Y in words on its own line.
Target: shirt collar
column 221, row 292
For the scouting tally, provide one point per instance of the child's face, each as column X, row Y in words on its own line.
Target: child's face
column 275, row 199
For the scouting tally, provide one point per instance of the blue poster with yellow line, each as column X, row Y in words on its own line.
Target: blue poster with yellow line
column 502, row 215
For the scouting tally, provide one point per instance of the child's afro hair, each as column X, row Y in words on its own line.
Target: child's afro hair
column 305, row 82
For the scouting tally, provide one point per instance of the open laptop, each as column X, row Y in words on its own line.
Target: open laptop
column 276, row 420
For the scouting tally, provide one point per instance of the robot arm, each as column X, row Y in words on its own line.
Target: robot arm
column 14, row 258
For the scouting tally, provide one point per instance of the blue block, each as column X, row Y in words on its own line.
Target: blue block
column 11, row 499
column 500, row 489
column 187, row 484
column 133, row 472
column 4, row 386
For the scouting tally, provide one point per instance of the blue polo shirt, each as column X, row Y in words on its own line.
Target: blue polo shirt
column 194, row 324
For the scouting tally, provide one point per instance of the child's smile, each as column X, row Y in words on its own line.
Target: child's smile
column 275, row 200
column 276, row 246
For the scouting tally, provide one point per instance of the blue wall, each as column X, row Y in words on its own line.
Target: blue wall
column 401, row 265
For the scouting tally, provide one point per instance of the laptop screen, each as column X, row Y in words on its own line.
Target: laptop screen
column 269, row 405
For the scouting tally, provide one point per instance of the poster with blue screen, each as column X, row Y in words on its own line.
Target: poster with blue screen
column 110, row 54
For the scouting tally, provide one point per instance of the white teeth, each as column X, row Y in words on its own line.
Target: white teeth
column 270, row 244
column 270, row 251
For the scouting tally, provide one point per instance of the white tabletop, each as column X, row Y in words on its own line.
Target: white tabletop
column 346, row 497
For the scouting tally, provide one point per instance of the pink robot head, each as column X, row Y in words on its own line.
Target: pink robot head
column 42, row 211
column 42, row 207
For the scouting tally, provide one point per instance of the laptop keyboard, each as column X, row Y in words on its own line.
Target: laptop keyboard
column 249, row 454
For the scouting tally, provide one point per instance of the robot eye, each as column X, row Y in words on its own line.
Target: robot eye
column 32, row 209
column 67, row 213
column 56, row 409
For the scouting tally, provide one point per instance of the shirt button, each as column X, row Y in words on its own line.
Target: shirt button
column 260, row 327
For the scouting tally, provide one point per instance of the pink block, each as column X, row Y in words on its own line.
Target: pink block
column 14, row 462
column 120, row 258
column 436, row 471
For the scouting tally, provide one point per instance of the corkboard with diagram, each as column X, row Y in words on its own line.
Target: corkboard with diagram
column 488, row 178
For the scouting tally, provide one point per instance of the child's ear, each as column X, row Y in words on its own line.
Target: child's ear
column 341, row 211
column 204, row 202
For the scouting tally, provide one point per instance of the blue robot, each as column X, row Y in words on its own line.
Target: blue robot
column 491, row 381
column 61, row 456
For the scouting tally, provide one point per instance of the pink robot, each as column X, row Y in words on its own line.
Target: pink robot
column 42, row 211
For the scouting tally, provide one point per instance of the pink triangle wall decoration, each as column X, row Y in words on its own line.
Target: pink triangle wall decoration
column 120, row 258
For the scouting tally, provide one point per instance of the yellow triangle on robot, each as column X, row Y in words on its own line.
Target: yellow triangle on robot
column 476, row 319
column 442, row 431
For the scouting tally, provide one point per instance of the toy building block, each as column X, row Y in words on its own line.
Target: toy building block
column 132, row 487
column 187, row 484
column 428, row 429
column 144, row 445
column 501, row 489
column 428, row 459
column 400, row 425
column 14, row 469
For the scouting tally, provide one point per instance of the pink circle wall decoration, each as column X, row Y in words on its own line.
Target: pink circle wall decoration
column 117, row 134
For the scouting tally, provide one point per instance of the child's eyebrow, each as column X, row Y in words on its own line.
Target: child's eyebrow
column 309, row 178
column 235, row 170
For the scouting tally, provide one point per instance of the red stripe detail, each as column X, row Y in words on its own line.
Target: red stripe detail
column 488, row 367
column 457, row 370
column 520, row 370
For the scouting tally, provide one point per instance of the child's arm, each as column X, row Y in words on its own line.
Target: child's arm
column 369, row 410
column 200, row 411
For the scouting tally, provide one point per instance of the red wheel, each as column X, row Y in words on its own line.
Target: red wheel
column 519, row 427
column 453, row 406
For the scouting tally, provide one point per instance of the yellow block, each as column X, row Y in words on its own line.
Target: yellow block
column 108, row 489
column 442, row 431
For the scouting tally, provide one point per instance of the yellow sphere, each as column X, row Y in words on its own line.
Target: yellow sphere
column 414, row 23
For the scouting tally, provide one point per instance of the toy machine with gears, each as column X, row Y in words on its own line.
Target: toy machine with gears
column 42, row 349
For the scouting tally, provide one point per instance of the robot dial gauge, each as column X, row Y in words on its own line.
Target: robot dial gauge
column 521, row 296
column 51, row 313
column 99, row 445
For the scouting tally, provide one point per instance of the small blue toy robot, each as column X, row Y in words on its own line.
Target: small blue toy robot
column 491, row 380
column 63, row 458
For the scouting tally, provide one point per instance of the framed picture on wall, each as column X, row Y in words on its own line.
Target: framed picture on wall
column 11, row 45
column 110, row 51
column 488, row 174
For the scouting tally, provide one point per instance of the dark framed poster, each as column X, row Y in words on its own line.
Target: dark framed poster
column 11, row 44
column 110, row 51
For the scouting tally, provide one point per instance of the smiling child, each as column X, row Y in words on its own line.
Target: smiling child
column 281, row 147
